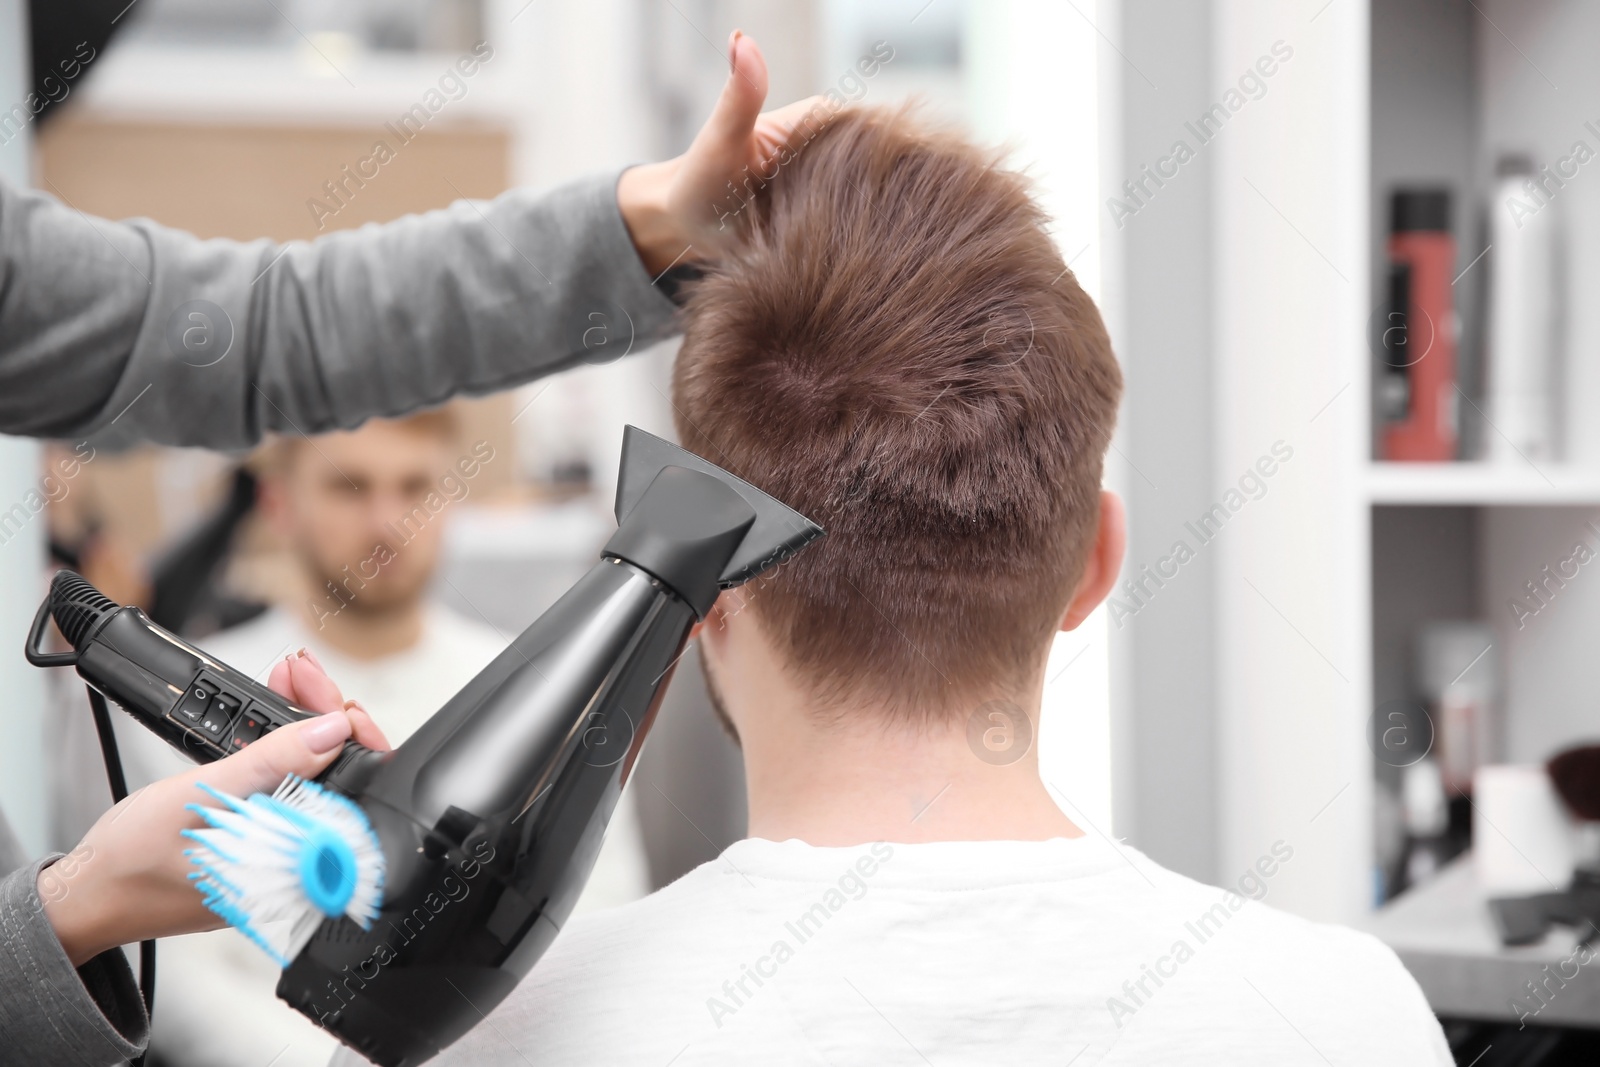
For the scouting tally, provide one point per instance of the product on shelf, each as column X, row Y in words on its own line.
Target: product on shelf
column 1522, row 356
column 1457, row 673
column 1416, row 383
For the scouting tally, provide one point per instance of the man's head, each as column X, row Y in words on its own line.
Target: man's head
column 899, row 352
column 360, row 500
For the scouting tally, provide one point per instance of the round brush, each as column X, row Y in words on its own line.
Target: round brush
column 295, row 858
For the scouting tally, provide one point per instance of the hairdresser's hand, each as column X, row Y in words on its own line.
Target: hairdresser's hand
column 302, row 680
column 684, row 208
column 128, row 879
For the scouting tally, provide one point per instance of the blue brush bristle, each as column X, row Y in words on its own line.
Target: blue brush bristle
column 304, row 854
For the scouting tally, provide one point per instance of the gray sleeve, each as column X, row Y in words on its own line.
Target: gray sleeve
column 172, row 339
column 51, row 1013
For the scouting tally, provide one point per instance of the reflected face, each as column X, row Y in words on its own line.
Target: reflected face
column 361, row 500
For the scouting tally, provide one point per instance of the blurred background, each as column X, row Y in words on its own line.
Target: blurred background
column 250, row 118
column 1341, row 245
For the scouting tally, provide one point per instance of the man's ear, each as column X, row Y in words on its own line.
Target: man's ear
column 716, row 620
column 1100, row 570
column 272, row 501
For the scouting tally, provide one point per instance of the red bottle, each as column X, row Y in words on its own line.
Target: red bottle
column 1417, row 381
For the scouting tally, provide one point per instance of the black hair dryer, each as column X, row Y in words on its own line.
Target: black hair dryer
column 492, row 814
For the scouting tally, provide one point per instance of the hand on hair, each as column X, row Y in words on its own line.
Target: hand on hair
column 128, row 879
column 683, row 209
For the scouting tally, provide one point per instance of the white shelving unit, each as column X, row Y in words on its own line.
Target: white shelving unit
column 22, row 785
column 1320, row 586
column 1480, row 485
column 1289, row 214
column 1454, row 87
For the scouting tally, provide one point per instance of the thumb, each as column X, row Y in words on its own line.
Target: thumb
column 734, row 117
column 304, row 748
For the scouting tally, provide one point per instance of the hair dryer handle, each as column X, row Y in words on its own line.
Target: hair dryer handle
column 199, row 705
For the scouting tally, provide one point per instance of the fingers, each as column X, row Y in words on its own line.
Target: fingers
column 310, row 685
column 279, row 681
column 790, row 125
column 304, row 748
column 366, row 730
column 734, row 116
column 300, row 678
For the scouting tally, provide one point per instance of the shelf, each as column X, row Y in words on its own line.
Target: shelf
column 1442, row 932
column 1481, row 484
column 297, row 86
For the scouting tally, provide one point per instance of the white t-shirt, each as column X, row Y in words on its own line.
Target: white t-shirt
column 401, row 691
column 216, row 1004
column 1056, row 952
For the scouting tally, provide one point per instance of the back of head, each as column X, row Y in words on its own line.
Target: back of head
column 898, row 351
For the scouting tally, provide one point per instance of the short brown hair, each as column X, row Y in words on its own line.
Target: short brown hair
column 277, row 457
column 898, row 351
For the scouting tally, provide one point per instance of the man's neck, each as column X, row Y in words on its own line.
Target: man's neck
column 858, row 781
column 369, row 635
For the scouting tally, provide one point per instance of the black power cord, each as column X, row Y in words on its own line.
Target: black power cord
column 119, row 793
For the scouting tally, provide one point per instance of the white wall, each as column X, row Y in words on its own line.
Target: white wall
column 1552, row 674
column 22, row 785
column 1158, row 304
column 1290, row 285
column 1032, row 69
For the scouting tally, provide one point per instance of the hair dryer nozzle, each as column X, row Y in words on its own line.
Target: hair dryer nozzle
column 776, row 532
column 78, row 607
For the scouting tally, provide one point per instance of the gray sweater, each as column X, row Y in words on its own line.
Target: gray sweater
column 99, row 334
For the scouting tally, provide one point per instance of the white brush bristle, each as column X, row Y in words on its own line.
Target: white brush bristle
column 304, row 854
